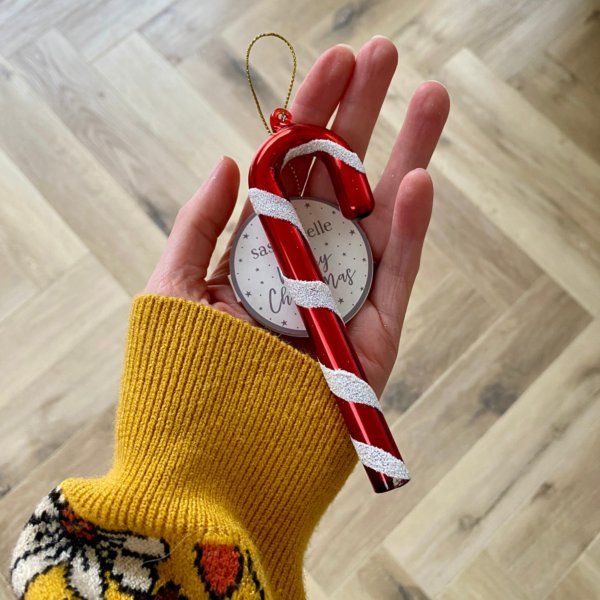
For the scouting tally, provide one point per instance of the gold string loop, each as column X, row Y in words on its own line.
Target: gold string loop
column 289, row 93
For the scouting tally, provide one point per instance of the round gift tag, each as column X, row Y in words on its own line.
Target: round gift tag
column 342, row 252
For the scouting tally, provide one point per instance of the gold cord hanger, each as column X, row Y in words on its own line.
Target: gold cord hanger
column 289, row 93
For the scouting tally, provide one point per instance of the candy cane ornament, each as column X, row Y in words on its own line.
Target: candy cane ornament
column 358, row 403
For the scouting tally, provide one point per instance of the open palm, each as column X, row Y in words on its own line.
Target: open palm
column 396, row 228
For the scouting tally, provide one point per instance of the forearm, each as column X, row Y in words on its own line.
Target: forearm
column 229, row 447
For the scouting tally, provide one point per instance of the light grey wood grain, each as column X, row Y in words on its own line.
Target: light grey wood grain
column 446, row 422
column 32, row 234
column 535, row 184
column 173, row 110
column 516, row 463
column 218, row 74
column 92, row 204
column 564, row 99
column 434, row 335
column 484, row 578
column 582, row 581
column 87, row 454
column 45, row 329
column 21, row 21
column 100, row 24
column 64, row 398
column 5, row 590
column 578, row 47
column 193, row 131
column 107, row 127
column 492, row 263
column 16, row 287
column 565, row 505
column 380, row 578
column 444, row 27
column 180, row 29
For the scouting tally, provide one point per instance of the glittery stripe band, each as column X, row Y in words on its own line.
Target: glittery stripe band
column 316, row 294
column 335, row 150
column 381, row 461
column 270, row 205
column 349, row 387
column 311, row 294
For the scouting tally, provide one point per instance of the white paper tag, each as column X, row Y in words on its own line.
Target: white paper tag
column 342, row 252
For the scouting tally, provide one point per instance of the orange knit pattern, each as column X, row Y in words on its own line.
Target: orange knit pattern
column 229, row 447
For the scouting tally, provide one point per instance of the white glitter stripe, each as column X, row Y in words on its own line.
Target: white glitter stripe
column 311, row 294
column 270, row 205
column 349, row 387
column 381, row 461
column 335, row 150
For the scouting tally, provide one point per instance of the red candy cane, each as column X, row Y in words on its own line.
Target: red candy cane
column 358, row 403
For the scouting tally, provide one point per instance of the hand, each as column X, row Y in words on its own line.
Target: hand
column 396, row 229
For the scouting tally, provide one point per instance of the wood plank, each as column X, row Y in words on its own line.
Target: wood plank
column 564, row 99
column 506, row 468
column 6, row 592
column 380, row 578
column 583, row 580
column 46, row 328
column 218, row 74
column 540, row 541
column 537, row 186
column 193, row 132
column 16, row 287
column 153, row 88
column 510, row 52
column 443, row 27
column 22, row 21
column 459, row 321
column 98, row 25
column 433, row 270
column 313, row 591
column 578, row 47
column 107, row 127
column 494, row 265
column 180, row 30
column 62, row 399
column 88, row 453
column 356, row 23
column 491, row 262
column 445, row 423
column 485, row 578
column 32, row 234
column 270, row 57
column 106, row 219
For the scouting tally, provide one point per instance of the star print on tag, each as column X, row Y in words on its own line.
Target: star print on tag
column 342, row 252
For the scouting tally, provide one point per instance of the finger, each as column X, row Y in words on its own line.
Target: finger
column 314, row 104
column 316, row 101
column 400, row 262
column 423, row 125
column 360, row 106
column 181, row 271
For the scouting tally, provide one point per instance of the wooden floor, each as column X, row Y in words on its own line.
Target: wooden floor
column 112, row 113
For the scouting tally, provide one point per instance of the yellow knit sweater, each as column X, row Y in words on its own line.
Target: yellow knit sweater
column 229, row 447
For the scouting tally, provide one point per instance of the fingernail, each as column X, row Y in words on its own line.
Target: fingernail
column 346, row 46
column 380, row 36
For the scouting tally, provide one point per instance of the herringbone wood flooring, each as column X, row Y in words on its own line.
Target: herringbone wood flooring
column 112, row 113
